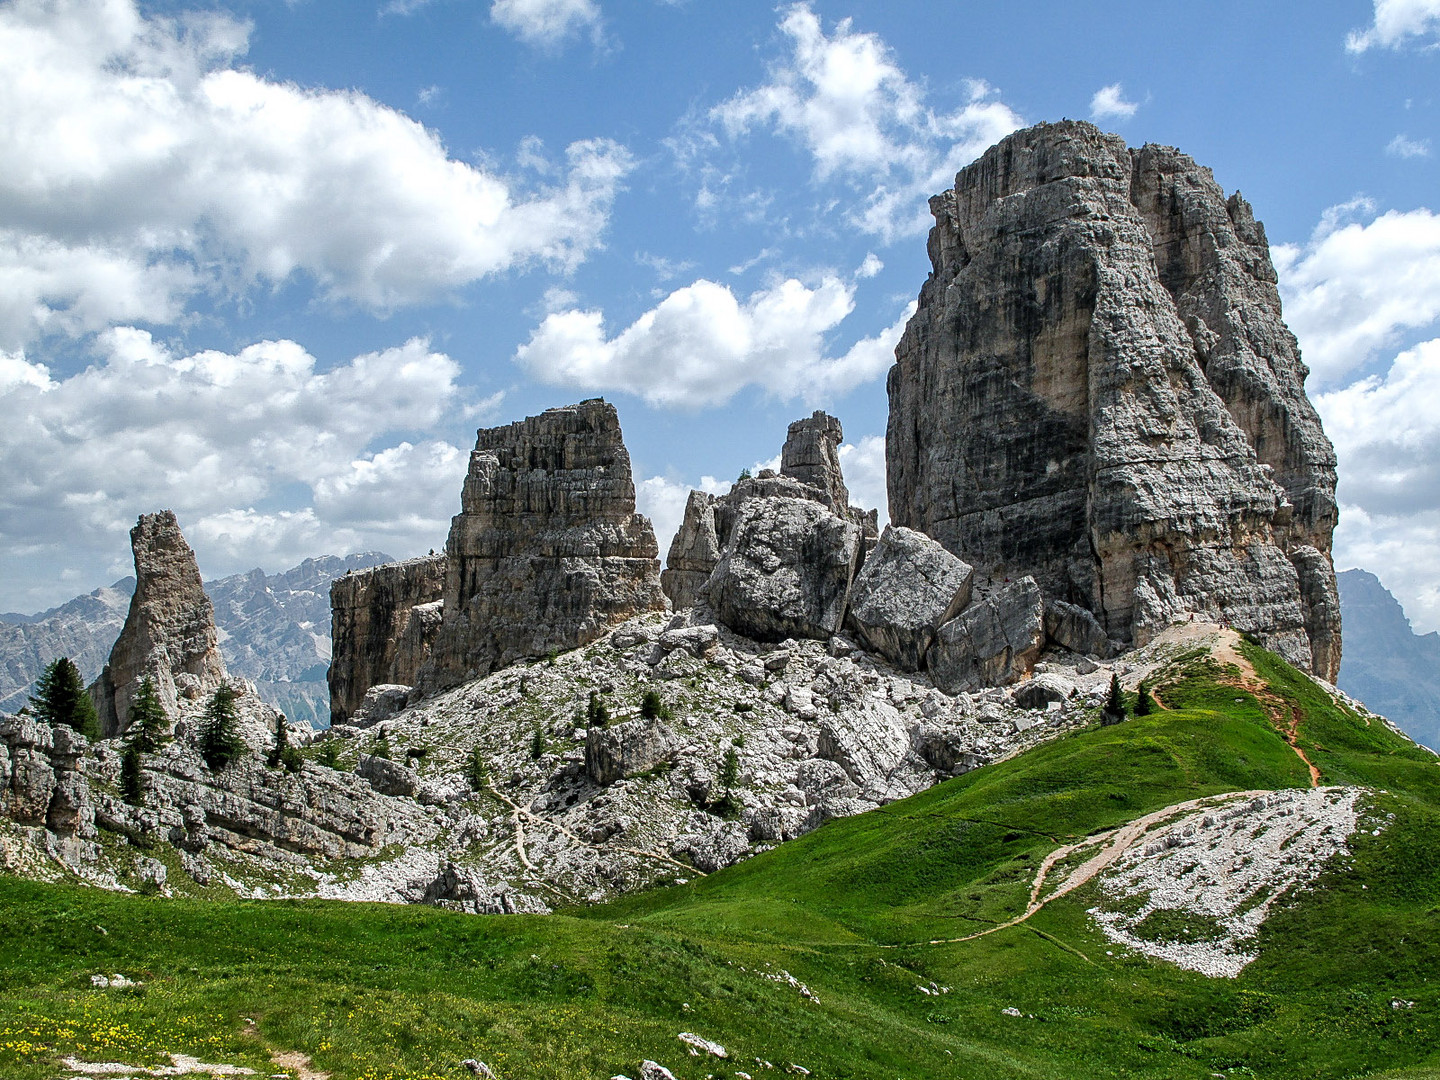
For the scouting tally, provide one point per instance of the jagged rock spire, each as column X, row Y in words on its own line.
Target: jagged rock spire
column 169, row 633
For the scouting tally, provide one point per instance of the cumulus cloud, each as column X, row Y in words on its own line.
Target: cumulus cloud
column 846, row 101
column 1402, row 146
column 1396, row 22
column 265, row 458
column 701, row 345
column 1356, row 287
column 1386, row 431
column 863, row 463
column 156, row 167
column 546, row 22
column 1109, row 104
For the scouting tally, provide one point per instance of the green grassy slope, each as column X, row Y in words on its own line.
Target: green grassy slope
column 373, row 992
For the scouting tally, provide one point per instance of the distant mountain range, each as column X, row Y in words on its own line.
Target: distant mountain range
column 1392, row 669
column 274, row 630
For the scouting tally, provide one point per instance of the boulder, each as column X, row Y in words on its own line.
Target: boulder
column 388, row 777
column 995, row 642
column 1072, row 627
column 867, row 739
column 627, row 749
column 1041, row 691
column 786, row 570
column 380, row 703
column 908, row 588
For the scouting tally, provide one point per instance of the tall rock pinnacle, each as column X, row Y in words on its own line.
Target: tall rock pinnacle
column 547, row 551
column 169, row 633
column 1098, row 390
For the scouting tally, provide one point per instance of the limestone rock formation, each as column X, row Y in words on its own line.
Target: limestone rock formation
column 909, row 586
column 169, row 633
column 1098, row 390
column 693, row 552
column 382, row 621
column 547, row 551
column 775, row 556
column 786, row 568
column 994, row 642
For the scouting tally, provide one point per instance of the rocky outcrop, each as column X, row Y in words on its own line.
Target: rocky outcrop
column 1098, row 390
column 909, row 587
column 786, row 568
column 382, row 622
column 169, row 633
column 811, row 454
column 693, row 552
column 627, row 749
column 547, row 552
column 994, row 642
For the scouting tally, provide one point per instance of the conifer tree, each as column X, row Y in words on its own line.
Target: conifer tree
column 475, row 770
column 282, row 741
column 132, row 780
column 1144, row 703
column 61, row 698
column 149, row 727
column 1115, row 702
column 219, row 739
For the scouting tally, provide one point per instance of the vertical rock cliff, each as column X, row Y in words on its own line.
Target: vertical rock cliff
column 1098, row 390
column 383, row 621
column 169, row 632
column 547, row 551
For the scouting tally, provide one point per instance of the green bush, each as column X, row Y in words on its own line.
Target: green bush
column 329, row 753
column 653, row 707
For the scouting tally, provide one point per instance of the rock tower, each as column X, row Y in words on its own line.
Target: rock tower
column 547, row 551
column 169, row 632
column 1098, row 390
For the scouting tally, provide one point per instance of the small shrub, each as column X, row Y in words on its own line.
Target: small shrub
column 653, row 707
column 381, row 746
column 329, row 754
column 537, row 745
column 292, row 760
column 744, row 475
column 730, row 769
column 597, row 714
column 727, row 807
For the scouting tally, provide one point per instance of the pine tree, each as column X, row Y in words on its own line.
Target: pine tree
column 537, row 745
column 329, row 753
column 1144, row 703
column 282, row 741
column 61, row 698
column 475, row 771
column 149, row 727
column 132, row 780
column 1115, row 702
column 653, row 707
column 219, row 739
column 597, row 714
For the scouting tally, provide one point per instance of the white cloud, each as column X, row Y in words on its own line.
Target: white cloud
column 854, row 110
column 546, row 22
column 1402, row 146
column 1396, row 22
column 1386, row 431
column 1109, row 104
column 863, row 465
column 701, row 345
column 223, row 439
column 156, row 168
column 1356, row 288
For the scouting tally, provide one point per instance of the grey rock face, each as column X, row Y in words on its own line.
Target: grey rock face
column 908, row 587
column 169, row 633
column 1394, row 670
column 626, row 749
column 786, row 570
column 381, row 624
column 1097, row 355
column 547, row 551
column 693, row 552
column 994, row 642
column 811, row 454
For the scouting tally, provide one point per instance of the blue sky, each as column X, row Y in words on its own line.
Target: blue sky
column 271, row 263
